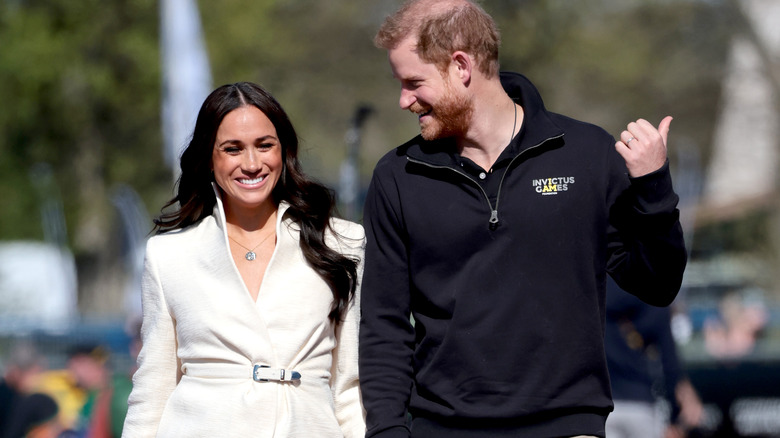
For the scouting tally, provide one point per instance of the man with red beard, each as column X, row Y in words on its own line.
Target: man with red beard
column 490, row 236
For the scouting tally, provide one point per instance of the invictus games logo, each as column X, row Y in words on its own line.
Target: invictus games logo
column 552, row 186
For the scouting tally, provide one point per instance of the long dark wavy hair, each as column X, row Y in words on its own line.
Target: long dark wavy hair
column 312, row 205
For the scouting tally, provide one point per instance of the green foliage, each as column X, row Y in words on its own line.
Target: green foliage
column 610, row 62
column 318, row 59
column 81, row 83
column 748, row 234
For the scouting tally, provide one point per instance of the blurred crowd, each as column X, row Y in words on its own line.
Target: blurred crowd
column 86, row 398
column 82, row 399
column 734, row 331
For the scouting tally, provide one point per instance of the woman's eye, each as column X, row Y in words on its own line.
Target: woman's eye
column 232, row 150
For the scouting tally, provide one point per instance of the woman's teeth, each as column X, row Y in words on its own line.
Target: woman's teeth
column 250, row 181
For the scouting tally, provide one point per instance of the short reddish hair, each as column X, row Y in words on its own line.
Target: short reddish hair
column 441, row 28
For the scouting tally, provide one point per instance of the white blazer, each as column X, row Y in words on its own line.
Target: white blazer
column 203, row 336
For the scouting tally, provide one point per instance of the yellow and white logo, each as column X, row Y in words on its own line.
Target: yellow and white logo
column 552, row 186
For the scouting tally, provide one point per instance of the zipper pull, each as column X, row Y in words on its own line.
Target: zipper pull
column 493, row 219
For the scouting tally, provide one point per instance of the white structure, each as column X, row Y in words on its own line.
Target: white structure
column 186, row 74
column 37, row 287
column 744, row 165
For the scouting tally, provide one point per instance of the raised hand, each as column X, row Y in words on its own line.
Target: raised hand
column 643, row 146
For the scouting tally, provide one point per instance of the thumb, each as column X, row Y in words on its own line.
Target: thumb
column 663, row 127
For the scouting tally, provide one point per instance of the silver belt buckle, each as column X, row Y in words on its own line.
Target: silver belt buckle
column 264, row 373
column 294, row 375
column 256, row 373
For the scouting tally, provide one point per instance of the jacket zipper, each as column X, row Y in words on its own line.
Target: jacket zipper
column 493, row 221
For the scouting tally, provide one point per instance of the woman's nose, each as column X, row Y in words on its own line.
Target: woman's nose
column 251, row 162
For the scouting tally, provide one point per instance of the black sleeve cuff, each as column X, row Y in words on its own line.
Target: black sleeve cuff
column 654, row 191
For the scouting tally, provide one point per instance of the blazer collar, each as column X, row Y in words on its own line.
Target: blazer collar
column 219, row 210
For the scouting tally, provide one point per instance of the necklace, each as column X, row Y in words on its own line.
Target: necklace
column 251, row 255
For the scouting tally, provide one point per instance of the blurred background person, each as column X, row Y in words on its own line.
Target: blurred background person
column 122, row 382
column 644, row 367
column 35, row 416
column 20, row 373
column 734, row 331
column 82, row 391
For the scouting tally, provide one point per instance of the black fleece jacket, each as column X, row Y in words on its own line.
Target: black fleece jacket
column 507, row 294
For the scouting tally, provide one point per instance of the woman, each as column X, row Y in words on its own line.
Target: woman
column 250, row 289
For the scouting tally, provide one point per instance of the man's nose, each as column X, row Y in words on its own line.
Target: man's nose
column 406, row 100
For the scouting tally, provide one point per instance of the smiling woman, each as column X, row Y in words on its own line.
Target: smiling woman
column 247, row 163
column 247, row 160
column 249, row 289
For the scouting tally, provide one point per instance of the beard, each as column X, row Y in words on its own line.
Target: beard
column 449, row 117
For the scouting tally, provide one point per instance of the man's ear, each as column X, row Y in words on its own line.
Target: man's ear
column 463, row 65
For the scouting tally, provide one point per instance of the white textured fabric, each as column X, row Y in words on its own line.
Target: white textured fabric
column 197, row 311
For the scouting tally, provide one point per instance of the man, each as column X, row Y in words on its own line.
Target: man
column 494, row 231
column 642, row 358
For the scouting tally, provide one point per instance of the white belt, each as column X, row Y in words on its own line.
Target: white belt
column 259, row 373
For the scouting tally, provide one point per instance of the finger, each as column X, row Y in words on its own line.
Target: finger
column 623, row 150
column 646, row 129
column 644, row 125
column 663, row 127
column 636, row 130
column 626, row 137
column 647, row 132
column 650, row 132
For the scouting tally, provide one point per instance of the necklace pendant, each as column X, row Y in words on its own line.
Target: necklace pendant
column 250, row 256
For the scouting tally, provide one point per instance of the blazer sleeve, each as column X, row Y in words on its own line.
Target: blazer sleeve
column 345, row 382
column 159, row 369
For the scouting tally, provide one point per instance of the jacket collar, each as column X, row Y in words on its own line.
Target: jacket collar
column 537, row 127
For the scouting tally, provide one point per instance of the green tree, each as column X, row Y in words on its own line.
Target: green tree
column 81, row 83
column 81, row 87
